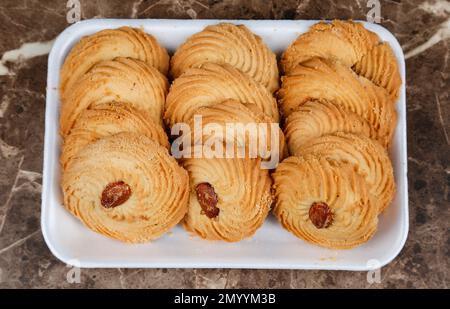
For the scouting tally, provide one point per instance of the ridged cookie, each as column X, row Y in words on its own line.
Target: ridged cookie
column 126, row 187
column 124, row 80
column 317, row 118
column 367, row 156
column 380, row 66
column 232, row 44
column 105, row 120
column 324, row 202
column 107, row 45
column 211, row 84
column 381, row 114
column 229, row 198
column 353, row 46
column 319, row 79
column 345, row 41
column 237, row 128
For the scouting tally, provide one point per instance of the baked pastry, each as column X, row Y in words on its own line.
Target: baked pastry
column 105, row 120
column 324, row 202
column 232, row 44
column 210, row 84
column 367, row 156
column 319, row 79
column 126, row 187
column 381, row 113
column 317, row 118
column 380, row 66
column 237, row 129
column 353, row 46
column 107, row 45
column 345, row 41
column 229, row 198
column 123, row 80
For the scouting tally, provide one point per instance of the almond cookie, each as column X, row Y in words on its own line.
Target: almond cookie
column 380, row 66
column 105, row 120
column 345, row 41
column 319, row 79
column 367, row 156
column 229, row 198
column 324, row 202
column 211, row 84
column 232, row 44
column 126, row 187
column 124, row 80
column 107, row 45
column 237, row 128
column 317, row 118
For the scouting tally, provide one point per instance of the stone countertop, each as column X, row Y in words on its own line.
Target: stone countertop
column 423, row 29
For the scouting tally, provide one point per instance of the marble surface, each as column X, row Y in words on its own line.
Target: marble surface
column 27, row 28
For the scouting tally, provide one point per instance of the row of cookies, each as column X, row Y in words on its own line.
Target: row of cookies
column 337, row 101
column 226, row 74
column 118, row 176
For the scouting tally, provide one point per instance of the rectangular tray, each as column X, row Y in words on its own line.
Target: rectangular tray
column 272, row 247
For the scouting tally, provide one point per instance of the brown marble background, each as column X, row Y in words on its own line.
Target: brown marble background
column 25, row 260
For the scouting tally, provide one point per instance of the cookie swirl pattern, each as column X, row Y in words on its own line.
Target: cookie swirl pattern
column 317, row 118
column 368, row 157
column 125, row 80
column 380, row 66
column 353, row 46
column 235, row 45
column 126, row 187
column 210, row 84
column 229, row 198
column 324, row 202
column 105, row 120
column 319, row 79
column 107, row 45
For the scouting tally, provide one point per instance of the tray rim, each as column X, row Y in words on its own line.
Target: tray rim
column 47, row 177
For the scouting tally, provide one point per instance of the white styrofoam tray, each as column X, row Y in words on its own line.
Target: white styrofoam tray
column 272, row 246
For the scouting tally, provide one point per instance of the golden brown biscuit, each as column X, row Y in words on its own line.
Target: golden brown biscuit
column 232, row 44
column 211, row 84
column 353, row 46
column 368, row 157
column 319, row 79
column 123, row 80
column 107, row 45
column 345, row 41
column 126, row 187
column 317, row 118
column 105, row 120
column 234, row 126
column 381, row 114
column 324, row 202
column 380, row 66
column 229, row 198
